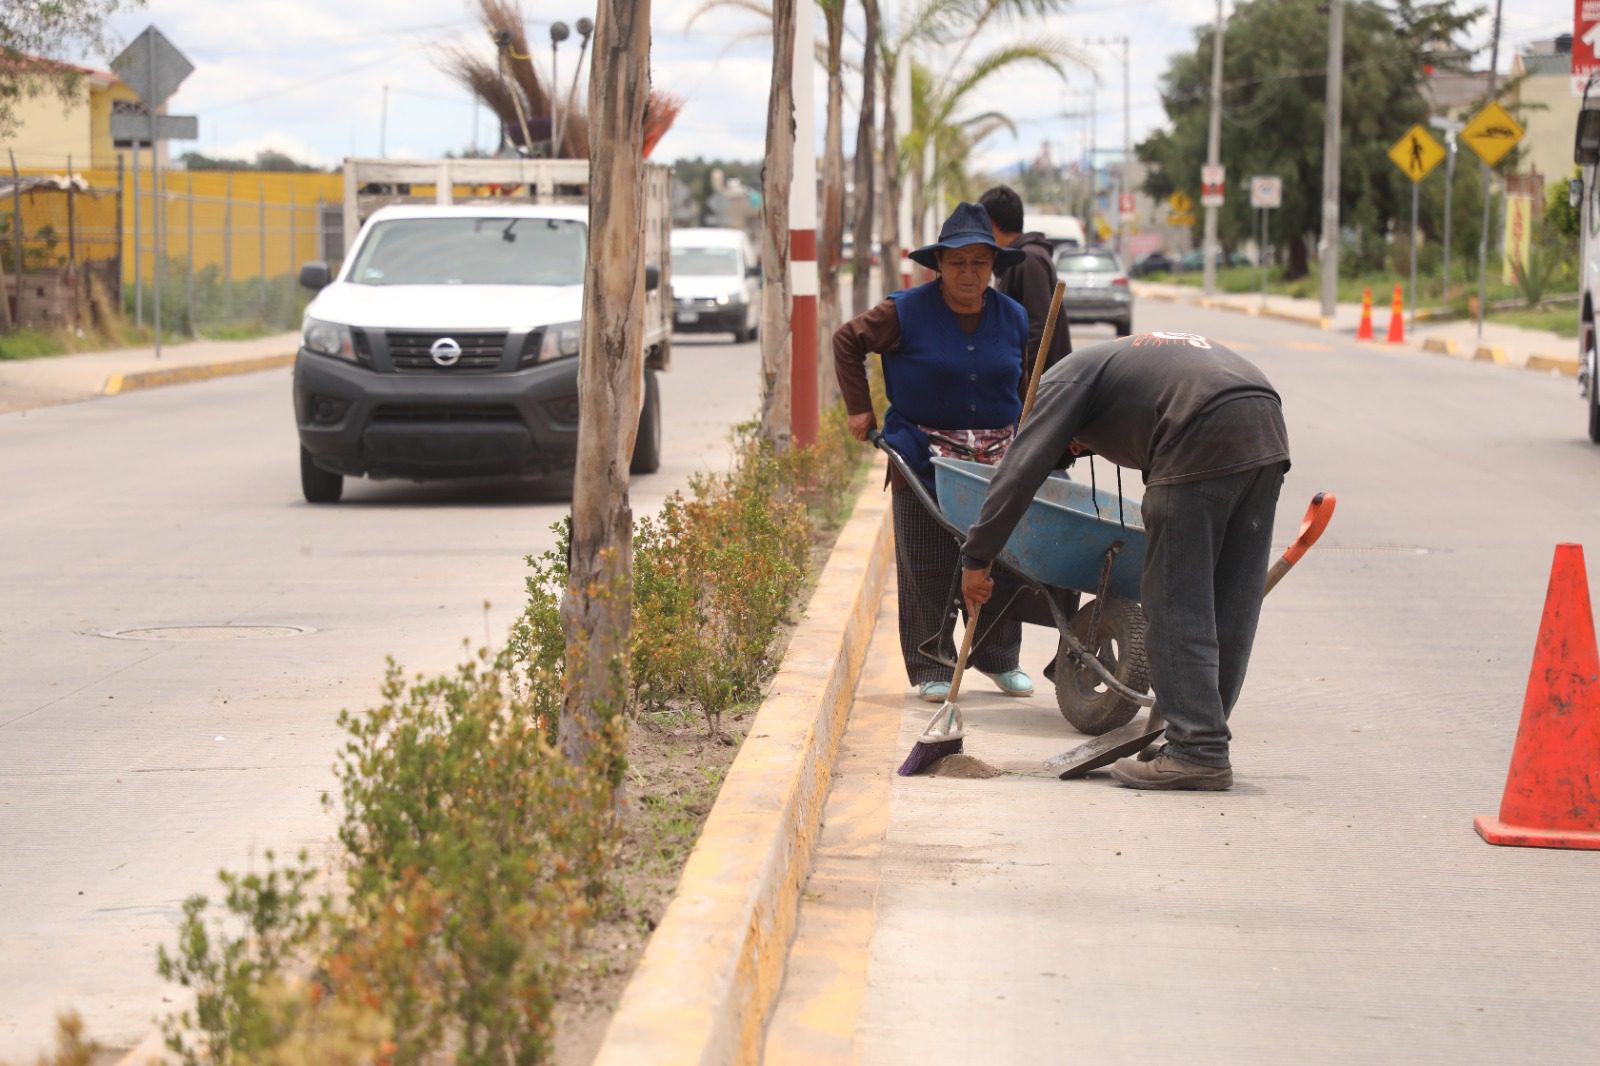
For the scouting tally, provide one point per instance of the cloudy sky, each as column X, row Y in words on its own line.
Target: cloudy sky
column 307, row 77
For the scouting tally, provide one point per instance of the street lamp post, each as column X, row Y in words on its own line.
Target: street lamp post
column 558, row 33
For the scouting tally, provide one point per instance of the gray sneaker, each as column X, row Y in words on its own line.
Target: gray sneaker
column 1170, row 772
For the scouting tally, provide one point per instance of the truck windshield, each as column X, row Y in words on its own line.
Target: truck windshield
column 472, row 251
column 705, row 262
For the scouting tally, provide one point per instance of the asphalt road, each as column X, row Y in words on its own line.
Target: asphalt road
column 134, row 765
column 1336, row 907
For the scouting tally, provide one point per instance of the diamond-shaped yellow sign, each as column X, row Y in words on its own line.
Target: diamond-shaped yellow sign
column 1180, row 202
column 1492, row 133
column 1417, row 153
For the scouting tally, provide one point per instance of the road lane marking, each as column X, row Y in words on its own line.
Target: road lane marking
column 1309, row 346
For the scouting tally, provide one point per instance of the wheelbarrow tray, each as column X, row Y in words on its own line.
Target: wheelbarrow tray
column 1062, row 538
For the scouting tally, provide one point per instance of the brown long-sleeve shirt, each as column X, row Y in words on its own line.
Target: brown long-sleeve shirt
column 876, row 329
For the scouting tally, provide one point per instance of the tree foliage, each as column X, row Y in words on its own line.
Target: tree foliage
column 36, row 36
column 1273, row 108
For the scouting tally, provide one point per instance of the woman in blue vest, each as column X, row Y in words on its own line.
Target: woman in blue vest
column 952, row 366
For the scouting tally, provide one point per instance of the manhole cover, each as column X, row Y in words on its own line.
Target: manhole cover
column 199, row 633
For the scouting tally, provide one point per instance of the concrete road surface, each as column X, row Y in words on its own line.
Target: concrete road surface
column 178, row 631
column 1336, row 907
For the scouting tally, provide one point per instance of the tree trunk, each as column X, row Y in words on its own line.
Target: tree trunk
column 597, row 610
column 1298, row 266
column 891, row 180
column 777, row 174
column 828, row 251
column 866, row 172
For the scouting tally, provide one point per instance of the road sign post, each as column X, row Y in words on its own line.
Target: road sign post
column 153, row 69
column 1266, row 193
column 1491, row 133
column 1416, row 153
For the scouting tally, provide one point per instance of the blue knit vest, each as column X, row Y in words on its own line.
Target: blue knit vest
column 939, row 376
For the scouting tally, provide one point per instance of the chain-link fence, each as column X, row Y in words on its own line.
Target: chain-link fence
column 210, row 252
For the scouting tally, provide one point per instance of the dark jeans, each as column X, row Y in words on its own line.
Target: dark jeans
column 1205, row 572
column 925, row 559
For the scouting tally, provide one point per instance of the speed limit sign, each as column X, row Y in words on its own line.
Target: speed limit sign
column 1266, row 192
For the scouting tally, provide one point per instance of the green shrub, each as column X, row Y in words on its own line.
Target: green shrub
column 474, row 855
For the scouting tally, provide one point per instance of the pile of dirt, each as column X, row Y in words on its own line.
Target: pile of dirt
column 965, row 766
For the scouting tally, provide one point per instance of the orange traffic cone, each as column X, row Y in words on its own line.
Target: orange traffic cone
column 1552, row 795
column 1397, row 319
column 1364, row 332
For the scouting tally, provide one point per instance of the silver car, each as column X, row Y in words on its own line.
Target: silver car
column 1097, row 288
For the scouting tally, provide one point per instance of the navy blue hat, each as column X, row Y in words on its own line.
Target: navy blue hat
column 967, row 225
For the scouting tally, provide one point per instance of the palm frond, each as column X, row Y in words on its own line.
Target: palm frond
column 760, row 8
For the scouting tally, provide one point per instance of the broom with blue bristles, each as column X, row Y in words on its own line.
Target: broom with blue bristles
column 943, row 734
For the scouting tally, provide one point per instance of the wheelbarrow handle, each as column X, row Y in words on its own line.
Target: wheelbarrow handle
column 1311, row 527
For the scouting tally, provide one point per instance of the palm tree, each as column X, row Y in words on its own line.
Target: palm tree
column 945, row 137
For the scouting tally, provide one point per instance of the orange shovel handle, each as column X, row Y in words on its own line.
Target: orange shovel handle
column 1311, row 527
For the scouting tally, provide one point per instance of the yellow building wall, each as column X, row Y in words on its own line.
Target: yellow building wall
column 49, row 129
column 1551, row 120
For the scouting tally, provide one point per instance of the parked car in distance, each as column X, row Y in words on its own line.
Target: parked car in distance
column 1096, row 288
column 1152, row 263
column 716, row 283
column 1195, row 260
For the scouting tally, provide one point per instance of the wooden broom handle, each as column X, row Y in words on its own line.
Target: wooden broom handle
column 1044, row 346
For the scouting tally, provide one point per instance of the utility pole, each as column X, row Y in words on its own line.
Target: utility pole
column 1214, row 152
column 1488, row 181
column 1449, row 127
column 1330, row 160
column 1127, row 156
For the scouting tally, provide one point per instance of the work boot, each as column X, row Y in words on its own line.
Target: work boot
column 1170, row 772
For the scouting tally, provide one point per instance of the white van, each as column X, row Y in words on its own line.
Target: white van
column 716, row 283
column 1062, row 231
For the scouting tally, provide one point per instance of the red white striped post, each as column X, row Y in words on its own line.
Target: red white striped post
column 803, row 404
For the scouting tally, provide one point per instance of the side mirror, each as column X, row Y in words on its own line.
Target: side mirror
column 1586, row 149
column 315, row 275
column 753, row 270
column 1575, row 192
column 652, row 278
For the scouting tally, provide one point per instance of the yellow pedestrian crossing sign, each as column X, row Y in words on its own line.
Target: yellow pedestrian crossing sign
column 1492, row 133
column 1417, row 153
column 1180, row 202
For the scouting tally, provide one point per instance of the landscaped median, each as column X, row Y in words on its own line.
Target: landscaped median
column 712, row 969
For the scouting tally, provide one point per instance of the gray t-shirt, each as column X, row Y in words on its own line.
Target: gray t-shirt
column 1175, row 406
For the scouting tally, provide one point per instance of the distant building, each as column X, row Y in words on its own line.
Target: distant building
column 50, row 128
column 1547, row 107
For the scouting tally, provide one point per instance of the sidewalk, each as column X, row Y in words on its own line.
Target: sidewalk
column 1508, row 345
column 45, row 382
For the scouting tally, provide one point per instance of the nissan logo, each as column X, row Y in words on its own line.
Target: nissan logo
column 445, row 351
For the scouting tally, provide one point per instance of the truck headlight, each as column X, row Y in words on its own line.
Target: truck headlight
column 724, row 300
column 561, row 341
column 328, row 338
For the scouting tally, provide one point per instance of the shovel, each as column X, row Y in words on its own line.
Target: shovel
column 1136, row 736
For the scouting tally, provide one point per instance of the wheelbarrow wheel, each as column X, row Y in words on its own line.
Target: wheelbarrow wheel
column 1084, row 699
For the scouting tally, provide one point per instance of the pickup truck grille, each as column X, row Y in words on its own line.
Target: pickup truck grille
column 445, row 412
column 412, row 350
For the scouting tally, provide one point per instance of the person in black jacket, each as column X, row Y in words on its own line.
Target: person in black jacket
column 1031, row 282
column 1206, row 429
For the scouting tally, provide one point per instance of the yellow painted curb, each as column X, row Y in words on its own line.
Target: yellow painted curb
column 713, row 968
column 1490, row 353
column 1441, row 346
column 1316, row 321
column 1562, row 364
column 178, row 375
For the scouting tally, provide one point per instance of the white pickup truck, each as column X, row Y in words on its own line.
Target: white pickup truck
column 446, row 344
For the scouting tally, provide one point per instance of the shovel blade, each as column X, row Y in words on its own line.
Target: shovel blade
column 1105, row 749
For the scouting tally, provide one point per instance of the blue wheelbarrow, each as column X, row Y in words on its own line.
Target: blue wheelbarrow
column 1073, row 540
